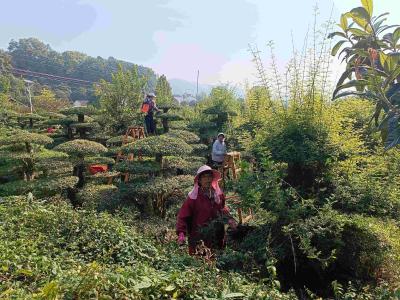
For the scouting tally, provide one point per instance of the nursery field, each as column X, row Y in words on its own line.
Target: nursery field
column 89, row 198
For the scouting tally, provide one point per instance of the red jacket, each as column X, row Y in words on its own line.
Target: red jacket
column 197, row 213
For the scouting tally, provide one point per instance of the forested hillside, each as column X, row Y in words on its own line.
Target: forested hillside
column 34, row 55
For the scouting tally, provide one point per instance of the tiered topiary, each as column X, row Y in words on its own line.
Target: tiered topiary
column 79, row 150
column 205, row 129
column 187, row 164
column 30, row 167
column 8, row 118
column 157, row 147
column 84, row 124
column 114, row 145
column 155, row 195
column 166, row 116
column 21, row 147
column 152, row 173
column 29, row 120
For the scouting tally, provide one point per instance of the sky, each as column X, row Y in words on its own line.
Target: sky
column 176, row 37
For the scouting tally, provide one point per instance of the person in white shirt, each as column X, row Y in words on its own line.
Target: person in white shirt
column 218, row 149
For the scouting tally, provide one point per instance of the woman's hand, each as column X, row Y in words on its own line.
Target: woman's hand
column 181, row 238
column 232, row 224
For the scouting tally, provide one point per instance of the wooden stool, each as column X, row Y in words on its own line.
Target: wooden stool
column 231, row 162
column 137, row 133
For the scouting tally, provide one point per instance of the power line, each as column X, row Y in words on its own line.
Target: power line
column 50, row 76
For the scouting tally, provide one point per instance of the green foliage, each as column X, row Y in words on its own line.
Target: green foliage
column 85, row 125
column 120, row 99
column 119, row 139
column 154, row 196
column 40, row 188
column 97, row 197
column 160, row 185
column 368, row 185
column 163, row 91
column 371, row 57
column 214, row 113
column 22, row 136
column 158, row 145
column 138, row 167
column 32, row 54
column 169, row 116
column 199, row 149
column 99, row 160
column 104, row 258
column 81, row 148
column 81, row 110
column 187, row 136
column 187, row 165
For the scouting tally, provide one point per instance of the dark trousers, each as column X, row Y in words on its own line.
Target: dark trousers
column 150, row 124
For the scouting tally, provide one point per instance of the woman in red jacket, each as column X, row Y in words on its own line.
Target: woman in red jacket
column 205, row 203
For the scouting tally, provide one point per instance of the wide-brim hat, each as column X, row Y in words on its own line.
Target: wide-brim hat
column 205, row 168
column 219, row 134
column 151, row 95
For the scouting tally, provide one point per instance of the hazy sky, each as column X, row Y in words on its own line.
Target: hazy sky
column 174, row 37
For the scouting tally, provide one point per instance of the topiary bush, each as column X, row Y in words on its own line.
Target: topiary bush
column 78, row 150
column 40, row 188
column 22, row 147
column 153, row 195
column 158, row 146
column 187, row 136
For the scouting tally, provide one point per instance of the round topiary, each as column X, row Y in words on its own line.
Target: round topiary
column 94, row 196
column 162, row 185
column 23, row 136
column 158, row 146
column 181, row 125
column 54, row 167
column 188, row 165
column 187, row 136
column 99, row 160
column 40, row 188
column 199, row 149
column 81, row 148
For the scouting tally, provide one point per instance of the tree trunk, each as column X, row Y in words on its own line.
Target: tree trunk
column 82, row 133
column 81, row 118
column 165, row 125
column 159, row 159
column 70, row 134
column 30, row 122
column 79, row 172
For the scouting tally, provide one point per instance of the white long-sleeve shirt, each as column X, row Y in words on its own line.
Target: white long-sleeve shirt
column 218, row 151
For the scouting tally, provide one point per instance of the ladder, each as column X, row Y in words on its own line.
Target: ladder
column 137, row 133
column 231, row 162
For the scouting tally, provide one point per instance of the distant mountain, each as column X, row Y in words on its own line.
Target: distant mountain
column 180, row 87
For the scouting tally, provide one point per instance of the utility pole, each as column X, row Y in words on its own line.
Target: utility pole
column 28, row 88
column 197, row 86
